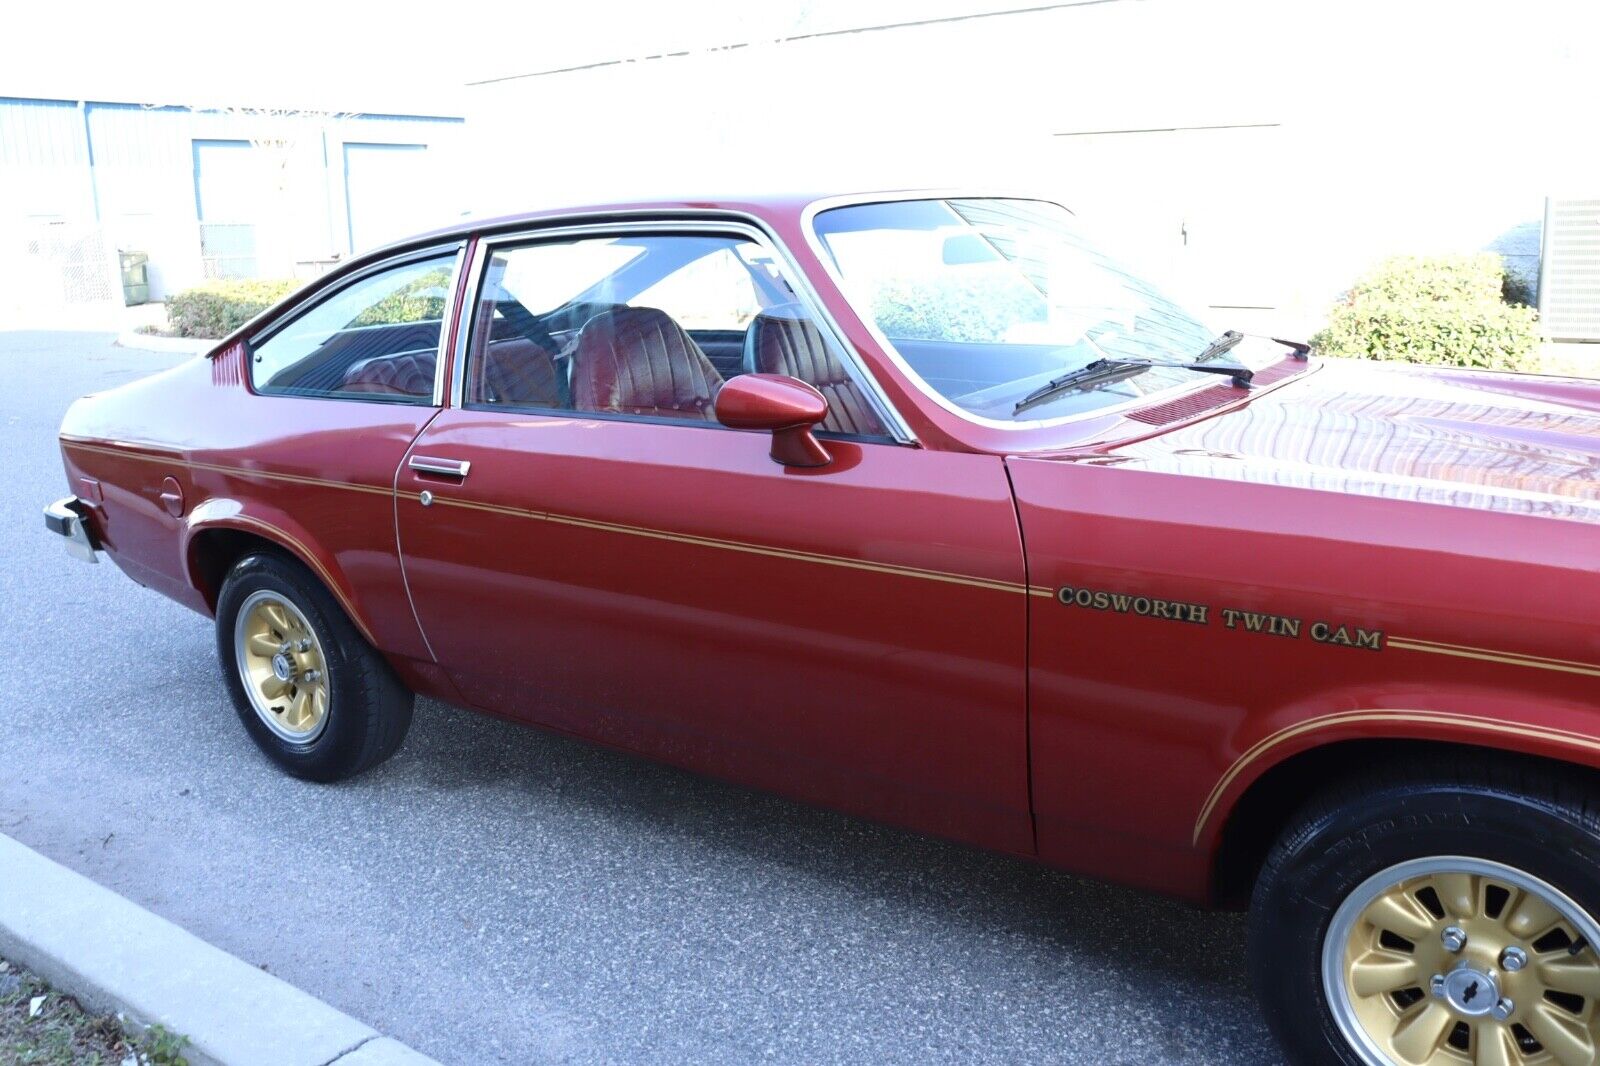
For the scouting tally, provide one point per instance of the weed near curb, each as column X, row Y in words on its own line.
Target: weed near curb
column 41, row 1027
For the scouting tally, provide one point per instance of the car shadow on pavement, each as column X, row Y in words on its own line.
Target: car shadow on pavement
column 990, row 894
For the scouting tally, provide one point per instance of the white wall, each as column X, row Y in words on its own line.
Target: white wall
column 1368, row 127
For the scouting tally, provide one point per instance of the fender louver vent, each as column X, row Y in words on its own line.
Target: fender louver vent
column 227, row 366
column 1197, row 403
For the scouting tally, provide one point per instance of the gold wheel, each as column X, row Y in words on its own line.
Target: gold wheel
column 1453, row 961
column 281, row 664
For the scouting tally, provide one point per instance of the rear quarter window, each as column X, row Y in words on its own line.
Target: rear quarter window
column 376, row 338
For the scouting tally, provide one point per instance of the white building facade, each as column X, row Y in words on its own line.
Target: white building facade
column 1257, row 155
column 236, row 192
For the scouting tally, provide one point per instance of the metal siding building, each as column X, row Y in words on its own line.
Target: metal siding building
column 43, row 158
column 81, row 179
column 1569, row 298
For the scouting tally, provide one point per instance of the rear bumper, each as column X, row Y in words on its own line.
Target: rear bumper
column 68, row 517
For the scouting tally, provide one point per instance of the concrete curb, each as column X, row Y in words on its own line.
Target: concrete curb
column 114, row 956
column 151, row 343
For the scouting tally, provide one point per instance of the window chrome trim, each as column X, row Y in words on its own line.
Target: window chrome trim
column 450, row 311
column 808, row 218
column 355, row 277
column 469, row 311
column 664, row 223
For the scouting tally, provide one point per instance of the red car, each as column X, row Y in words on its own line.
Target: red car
column 921, row 507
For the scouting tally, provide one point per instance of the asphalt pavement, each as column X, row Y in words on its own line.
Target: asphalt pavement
column 495, row 894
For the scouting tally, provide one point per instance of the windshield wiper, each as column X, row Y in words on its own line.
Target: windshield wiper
column 1224, row 343
column 1104, row 371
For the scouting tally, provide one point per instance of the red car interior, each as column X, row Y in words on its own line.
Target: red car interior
column 517, row 372
column 638, row 361
column 786, row 341
column 406, row 374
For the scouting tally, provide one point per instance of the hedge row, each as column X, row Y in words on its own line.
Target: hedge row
column 216, row 308
column 1447, row 309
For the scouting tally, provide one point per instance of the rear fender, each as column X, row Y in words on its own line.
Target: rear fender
column 1505, row 719
column 283, row 531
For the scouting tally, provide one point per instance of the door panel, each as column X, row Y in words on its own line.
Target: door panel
column 852, row 634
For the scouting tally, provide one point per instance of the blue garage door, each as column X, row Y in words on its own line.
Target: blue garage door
column 227, row 192
column 383, row 185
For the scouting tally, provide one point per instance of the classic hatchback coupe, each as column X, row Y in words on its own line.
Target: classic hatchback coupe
column 920, row 507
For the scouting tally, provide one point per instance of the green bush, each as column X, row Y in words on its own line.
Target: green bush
column 1446, row 309
column 972, row 305
column 216, row 308
column 422, row 300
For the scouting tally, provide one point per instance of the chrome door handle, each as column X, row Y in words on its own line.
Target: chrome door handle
column 456, row 468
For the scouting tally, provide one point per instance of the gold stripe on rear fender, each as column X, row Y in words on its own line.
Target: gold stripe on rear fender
column 1329, row 721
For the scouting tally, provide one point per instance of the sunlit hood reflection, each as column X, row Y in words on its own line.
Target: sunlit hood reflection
column 1521, row 444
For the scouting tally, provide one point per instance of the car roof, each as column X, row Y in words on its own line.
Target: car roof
column 765, row 205
column 760, row 204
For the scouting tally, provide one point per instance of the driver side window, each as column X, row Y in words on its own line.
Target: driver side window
column 647, row 326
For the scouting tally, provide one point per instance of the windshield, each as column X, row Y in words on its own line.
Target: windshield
column 986, row 300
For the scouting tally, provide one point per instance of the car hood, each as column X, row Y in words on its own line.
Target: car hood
column 1505, row 442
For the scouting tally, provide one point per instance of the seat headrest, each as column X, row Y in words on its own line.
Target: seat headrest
column 792, row 315
column 786, row 340
column 637, row 360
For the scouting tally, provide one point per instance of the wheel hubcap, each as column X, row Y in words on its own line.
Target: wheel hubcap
column 282, row 666
column 1449, row 961
column 1469, row 992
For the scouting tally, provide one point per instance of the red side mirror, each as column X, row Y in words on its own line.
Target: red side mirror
column 787, row 406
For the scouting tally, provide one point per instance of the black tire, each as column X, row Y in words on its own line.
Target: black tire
column 1536, row 817
column 368, row 708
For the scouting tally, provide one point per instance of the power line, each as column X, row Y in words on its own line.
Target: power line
column 804, row 37
column 1171, row 129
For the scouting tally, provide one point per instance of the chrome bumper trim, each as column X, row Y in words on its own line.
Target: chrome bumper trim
column 65, row 517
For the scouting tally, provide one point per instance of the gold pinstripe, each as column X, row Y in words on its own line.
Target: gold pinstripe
column 738, row 546
column 310, row 560
column 293, row 479
column 233, row 471
column 1328, row 721
column 587, row 523
column 1464, row 651
column 305, row 553
column 1396, row 642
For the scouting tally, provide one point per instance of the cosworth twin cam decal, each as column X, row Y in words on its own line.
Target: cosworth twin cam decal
column 1202, row 614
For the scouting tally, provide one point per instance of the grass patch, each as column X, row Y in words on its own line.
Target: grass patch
column 41, row 1027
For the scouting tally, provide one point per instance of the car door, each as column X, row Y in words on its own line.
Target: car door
column 587, row 548
column 339, row 387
